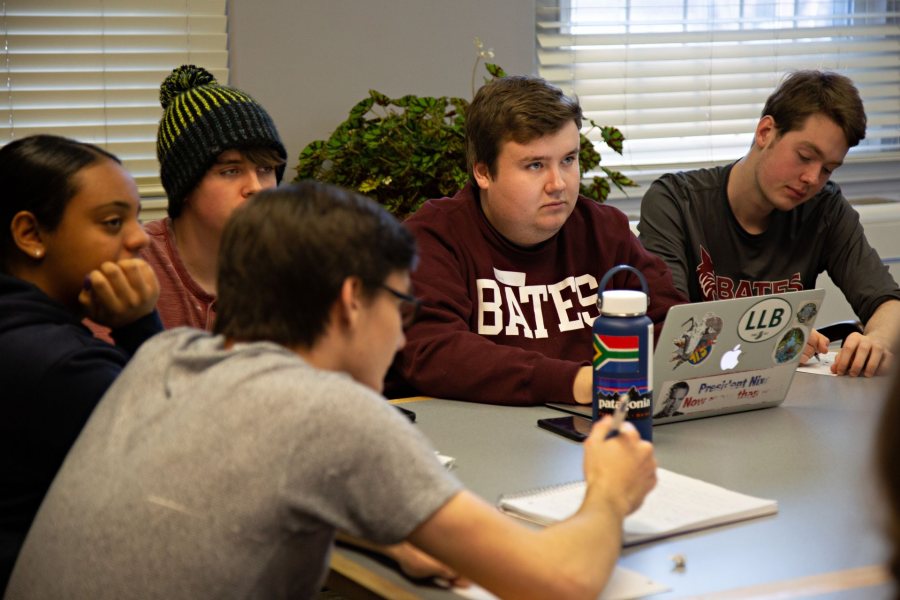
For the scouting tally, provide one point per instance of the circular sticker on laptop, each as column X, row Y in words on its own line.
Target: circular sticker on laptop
column 790, row 345
column 765, row 319
column 808, row 312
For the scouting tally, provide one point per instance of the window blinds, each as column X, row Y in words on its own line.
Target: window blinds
column 685, row 80
column 91, row 70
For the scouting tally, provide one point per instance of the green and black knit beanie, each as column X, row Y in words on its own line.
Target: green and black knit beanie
column 202, row 119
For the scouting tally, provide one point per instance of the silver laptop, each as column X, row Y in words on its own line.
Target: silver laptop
column 727, row 356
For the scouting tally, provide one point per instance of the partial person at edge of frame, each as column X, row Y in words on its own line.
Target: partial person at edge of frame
column 225, row 462
column 773, row 220
column 69, row 246
column 887, row 464
column 510, row 266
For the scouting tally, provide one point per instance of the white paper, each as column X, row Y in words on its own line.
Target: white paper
column 624, row 584
column 677, row 504
column 822, row 366
column 447, row 462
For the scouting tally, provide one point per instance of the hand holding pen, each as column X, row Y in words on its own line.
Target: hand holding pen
column 816, row 344
column 626, row 465
column 619, row 414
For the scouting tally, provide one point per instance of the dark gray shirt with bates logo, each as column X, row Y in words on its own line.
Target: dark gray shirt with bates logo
column 687, row 221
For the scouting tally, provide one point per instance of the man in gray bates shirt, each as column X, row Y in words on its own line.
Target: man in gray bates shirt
column 222, row 465
column 772, row 221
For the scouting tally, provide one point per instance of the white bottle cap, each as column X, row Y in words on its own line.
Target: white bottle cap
column 624, row 303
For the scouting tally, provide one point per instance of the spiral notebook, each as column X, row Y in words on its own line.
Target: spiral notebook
column 678, row 504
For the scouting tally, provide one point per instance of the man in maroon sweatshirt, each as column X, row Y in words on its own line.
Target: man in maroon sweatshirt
column 509, row 266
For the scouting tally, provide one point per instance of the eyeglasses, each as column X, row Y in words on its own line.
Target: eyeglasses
column 409, row 305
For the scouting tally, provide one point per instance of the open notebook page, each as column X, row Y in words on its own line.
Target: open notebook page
column 677, row 504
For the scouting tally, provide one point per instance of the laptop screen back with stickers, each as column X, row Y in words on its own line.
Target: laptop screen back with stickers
column 730, row 355
column 727, row 356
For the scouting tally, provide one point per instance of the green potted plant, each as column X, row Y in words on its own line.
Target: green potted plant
column 404, row 151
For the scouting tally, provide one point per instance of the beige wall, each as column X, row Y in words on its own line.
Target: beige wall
column 309, row 61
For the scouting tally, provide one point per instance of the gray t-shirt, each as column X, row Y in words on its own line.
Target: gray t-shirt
column 686, row 220
column 216, row 473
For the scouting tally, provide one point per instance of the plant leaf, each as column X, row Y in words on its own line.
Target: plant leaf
column 495, row 70
column 598, row 189
column 310, row 159
column 613, row 138
column 379, row 98
column 619, row 180
column 361, row 108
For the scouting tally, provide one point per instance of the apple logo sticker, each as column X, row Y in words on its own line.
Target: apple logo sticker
column 730, row 358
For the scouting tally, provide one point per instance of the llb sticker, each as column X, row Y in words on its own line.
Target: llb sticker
column 765, row 319
column 697, row 339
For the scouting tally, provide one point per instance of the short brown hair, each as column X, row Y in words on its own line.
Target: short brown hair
column 263, row 156
column 286, row 252
column 805, row 93
column 514, row 108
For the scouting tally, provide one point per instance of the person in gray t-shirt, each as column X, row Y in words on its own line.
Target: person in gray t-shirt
column 222, row 465
column 772, row 221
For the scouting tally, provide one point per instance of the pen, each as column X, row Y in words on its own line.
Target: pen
column 618, row 416
column 816, row 356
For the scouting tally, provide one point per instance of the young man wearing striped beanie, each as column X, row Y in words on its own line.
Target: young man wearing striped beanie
column 217, row 147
